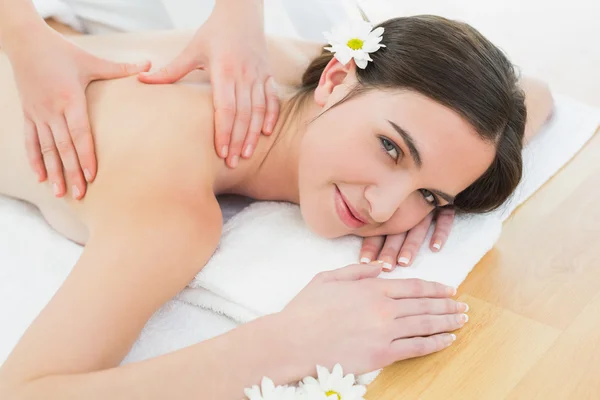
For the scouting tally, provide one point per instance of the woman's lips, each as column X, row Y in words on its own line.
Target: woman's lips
column 343, row 211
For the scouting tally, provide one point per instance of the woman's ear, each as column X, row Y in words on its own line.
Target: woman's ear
column 334, row 74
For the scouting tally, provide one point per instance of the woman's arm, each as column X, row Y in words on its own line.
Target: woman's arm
column 137, row 258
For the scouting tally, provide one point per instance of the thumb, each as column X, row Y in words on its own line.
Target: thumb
column 174, row 71
column 354, row 272
column 112, row 70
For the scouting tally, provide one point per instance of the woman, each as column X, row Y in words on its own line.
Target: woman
column 437, row 118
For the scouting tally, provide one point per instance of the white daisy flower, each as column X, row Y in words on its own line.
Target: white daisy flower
column 355, row 40
column 331, row 386
column 268, row 391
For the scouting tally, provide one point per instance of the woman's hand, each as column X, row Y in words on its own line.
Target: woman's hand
column 402, row 248
column 349, row 316
column 231, row 45
column 51, row 75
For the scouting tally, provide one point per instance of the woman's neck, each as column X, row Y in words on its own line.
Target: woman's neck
column 272, row 171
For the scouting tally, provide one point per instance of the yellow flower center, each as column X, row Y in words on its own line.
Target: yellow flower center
column 355, row 44
column 330, row 392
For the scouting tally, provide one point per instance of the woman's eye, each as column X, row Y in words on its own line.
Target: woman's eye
column 390, row 147
column 429, row 197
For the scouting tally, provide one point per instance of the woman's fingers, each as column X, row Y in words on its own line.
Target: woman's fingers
column 414, row 240
column 68, row 155
column 52, row 160
column 403, row 349
column 443, row 225
column 431, row 306
column 34, row 154
column 370, row 248
column 426, row 325
column 415, row 288
column 257, row 120
column 390, row 250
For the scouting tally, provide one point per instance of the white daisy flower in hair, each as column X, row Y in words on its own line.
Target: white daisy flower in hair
column 354, row 41
column 268, row 391
column 331, row 386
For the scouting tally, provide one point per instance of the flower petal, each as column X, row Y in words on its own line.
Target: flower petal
column 322, row 372
column 362, row 64
column 344, row 55
column 376, row 32
column 253, row 393
column 267, row 385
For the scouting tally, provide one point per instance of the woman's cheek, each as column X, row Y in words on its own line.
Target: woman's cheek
column 407, row 218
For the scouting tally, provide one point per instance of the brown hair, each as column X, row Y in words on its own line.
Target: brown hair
column 453, row 64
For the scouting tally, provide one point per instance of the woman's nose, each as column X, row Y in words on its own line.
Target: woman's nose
column 384, row 200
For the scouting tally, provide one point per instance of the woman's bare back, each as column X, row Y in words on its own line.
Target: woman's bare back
column 133, row 124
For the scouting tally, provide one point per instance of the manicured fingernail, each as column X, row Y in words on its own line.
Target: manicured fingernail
column 234, row 161
column 76, row 192
column 463, row 307
column 248, row 151
column 55, row 189
column 450, row 290
column 437, row 245
column 451, row 338
column 87, row 174
column 365, row 260
column 387, row 267
column 462, row 318
column 224, row 151
column 404, row 258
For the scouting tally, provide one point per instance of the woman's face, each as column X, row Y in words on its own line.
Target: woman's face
column 378, row 163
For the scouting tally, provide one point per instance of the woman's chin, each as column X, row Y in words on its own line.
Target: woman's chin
column 321, row 226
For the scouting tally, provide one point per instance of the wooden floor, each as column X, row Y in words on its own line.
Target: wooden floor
column 534, row 327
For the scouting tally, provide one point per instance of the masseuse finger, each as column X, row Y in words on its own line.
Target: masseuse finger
column 81, row 135
column 256, row 122
column 370, row 248
column 443, row 225
column 104, row 69
column 272, row 106
column 182, row 65
column 225, row 108
column 68, row 156
column 391, row 248
column 243, row 114
column 414, row 240
column 34, row 154
column 51, row 159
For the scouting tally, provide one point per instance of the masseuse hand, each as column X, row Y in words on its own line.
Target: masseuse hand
column 51, row 74
column 351, row 317
column 231, row 45
column 402, row 248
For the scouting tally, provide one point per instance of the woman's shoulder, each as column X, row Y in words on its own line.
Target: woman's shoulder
column 157, row 140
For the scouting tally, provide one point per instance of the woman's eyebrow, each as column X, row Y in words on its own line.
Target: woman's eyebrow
column 410, row 143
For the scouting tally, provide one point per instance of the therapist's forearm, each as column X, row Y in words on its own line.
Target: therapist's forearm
column 17, row 17
column 252, row 11
column 217, row 369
